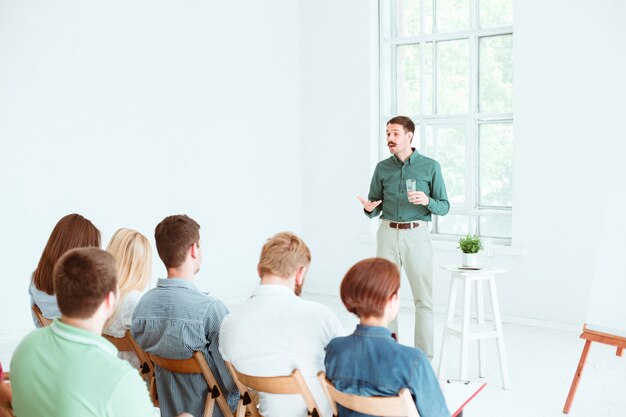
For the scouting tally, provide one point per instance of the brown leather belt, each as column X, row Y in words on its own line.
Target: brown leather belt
column 411, row 225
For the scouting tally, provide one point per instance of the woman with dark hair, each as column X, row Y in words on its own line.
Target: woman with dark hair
column 370, row 362
column 72, row 231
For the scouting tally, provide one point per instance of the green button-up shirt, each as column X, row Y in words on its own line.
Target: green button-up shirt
column 389, row 185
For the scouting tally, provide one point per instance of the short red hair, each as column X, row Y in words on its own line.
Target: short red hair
column 368, row 285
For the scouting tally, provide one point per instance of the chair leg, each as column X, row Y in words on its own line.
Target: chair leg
column 241, row 409
column 209, row 405
column 214, row 390
column 251, row 407
column 153, row 391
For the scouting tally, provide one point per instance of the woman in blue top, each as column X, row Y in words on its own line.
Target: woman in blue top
column 71, row 231
column 370, row 362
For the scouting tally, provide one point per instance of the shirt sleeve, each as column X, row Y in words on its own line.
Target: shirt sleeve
column 130, row 398
column 438, row 203
column 375, row 194
column 337, row 329
column 332, row 327
column 425, row 388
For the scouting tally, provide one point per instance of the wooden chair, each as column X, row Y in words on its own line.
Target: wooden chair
column 146, row 369
column 5, row 409
column 288, row 384
column 127, row 343
column 42, row 320
column 197, row 364
column 248, row 398
column 400, row 406
column 5, row 397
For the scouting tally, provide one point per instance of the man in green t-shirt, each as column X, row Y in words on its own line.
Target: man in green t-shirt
column 406, row 190
column 68, row 368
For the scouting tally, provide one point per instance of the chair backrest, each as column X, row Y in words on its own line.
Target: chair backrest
column 42, row 320
column 127, row 343
column 401, row 405
column 197, row 364
column 287, row 384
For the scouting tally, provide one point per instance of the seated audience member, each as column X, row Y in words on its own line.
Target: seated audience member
column 276, row 331
column 175, row 319
column 72, row 231
column 68, row 368
column 133, row 254
column 369, row 361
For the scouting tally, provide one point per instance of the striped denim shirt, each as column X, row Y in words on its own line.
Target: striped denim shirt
column 173, row 320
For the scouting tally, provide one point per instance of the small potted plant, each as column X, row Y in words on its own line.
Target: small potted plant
column 470, row 245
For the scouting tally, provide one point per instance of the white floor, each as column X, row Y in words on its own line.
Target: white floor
column 541, row 361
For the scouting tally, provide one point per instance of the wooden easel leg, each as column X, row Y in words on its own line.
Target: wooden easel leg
column 577, row 375
column 619, row 351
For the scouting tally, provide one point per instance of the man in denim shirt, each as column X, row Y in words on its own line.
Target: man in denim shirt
column 370, row 362
column 175, row 319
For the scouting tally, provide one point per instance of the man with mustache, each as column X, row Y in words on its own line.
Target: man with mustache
column 403, row 236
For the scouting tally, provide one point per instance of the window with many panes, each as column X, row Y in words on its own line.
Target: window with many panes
column 448, row 65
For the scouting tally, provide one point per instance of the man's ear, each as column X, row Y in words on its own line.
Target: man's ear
column 195, row 248
column 300, row 273
column 411, row 137
column 111, row 300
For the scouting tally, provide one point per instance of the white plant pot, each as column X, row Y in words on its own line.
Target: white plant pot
column 470, row 259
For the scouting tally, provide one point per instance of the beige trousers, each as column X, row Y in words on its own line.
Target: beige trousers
column 412, row 250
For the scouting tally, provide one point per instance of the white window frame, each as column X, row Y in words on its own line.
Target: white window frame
column 472, row 120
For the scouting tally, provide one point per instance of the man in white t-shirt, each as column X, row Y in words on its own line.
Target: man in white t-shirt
column 276, row 331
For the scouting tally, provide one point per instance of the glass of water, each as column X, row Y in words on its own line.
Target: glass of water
column 411, row 185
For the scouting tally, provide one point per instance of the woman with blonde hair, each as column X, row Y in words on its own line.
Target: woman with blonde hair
column 133, row 254
column 71, row 231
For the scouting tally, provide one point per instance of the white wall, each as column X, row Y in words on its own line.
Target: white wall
column 339, row 67
column 130, row 110
column 569, row 99
column 224, row 110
